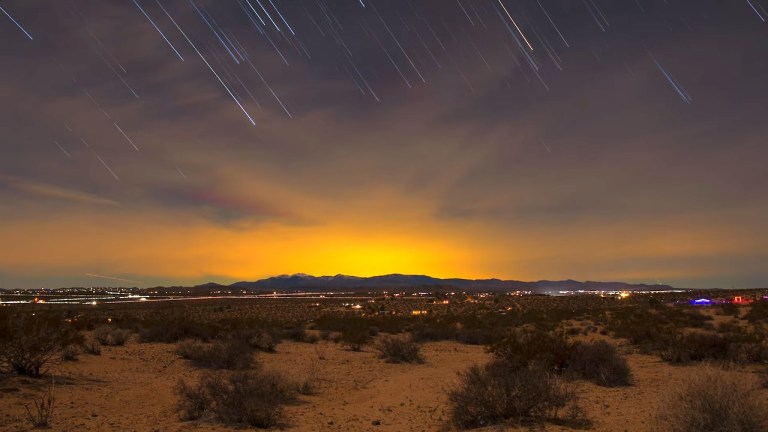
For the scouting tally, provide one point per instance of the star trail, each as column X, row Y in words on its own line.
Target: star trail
column 522, row 139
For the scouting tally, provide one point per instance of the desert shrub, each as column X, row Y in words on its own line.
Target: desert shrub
column 433, row 333
column 41, row 412
column 262, row 339
column 732, row 326
column 92, row 347
column 119, row 337
column 70, row 353
column 30, row 344
column 228, row 354
column 646, row 328
column 479, row 336
column 355, row 338
column 354, row 331
column 739, row 347
column 526, row 347
column 296, row 334
column 502, row 392
column 758, row 311
column 101, row 335
column 307, row 385
column 572, row 331
column 254, row 398
column 729, row 309
column 712, row 400
column 399, row 350
column 600, row 363
column 697, row 346
column 108, row 335
column 173, row 327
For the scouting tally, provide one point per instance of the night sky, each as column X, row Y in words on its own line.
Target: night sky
column 179, row 142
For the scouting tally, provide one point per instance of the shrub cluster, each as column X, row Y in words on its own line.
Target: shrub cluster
column 109, row 335
column 504, row 392
column 758, row 312
column 221, row 354
column 738, row 347
column 598, row 362
column 654, row 329
column 394, row 349
column 253, row 398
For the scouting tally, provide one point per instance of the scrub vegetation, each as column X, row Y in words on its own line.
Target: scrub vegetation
column 542, row 352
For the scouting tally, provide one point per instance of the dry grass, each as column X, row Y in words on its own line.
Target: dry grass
column 41, row 413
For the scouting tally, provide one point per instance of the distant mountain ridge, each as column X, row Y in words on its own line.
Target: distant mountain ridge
column 400, row 281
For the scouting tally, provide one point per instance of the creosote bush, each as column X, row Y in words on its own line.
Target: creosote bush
column 226, row 354
column 253, row 398
column 600, row 363
column 506, row 392
column 395, row 349
column 108, row 335
column 713, row 400
column 525, row 347
column 31, row 343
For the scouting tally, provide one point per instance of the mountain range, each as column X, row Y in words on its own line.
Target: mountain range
column 300, row 282
column 400, row 282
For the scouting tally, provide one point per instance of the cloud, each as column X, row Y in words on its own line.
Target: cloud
column 45, row 190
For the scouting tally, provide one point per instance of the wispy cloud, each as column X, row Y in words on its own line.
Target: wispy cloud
column 46, row 190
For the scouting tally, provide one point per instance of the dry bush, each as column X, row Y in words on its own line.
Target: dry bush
column 31, row 343
column 600, row 363
column 296, row 334
column 713, row 400
column 106, row 335
column 534, row 347
column 758, row 311
column 70, row 353
column 261, row 339
column 119, row 337
column 354, row 331
column 174, row 328
column 355, row 337
column 308, row 384
column 40, row 415
column 502, row 392
column 101, row 335
column 740, row 347
column 399, row 350
column 254, row 398
column 92, row 347
column 227, row 354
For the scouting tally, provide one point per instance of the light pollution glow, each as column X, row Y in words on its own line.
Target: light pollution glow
column 578, row 159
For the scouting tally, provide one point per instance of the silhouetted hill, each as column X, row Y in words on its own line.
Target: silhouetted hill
column 402, row 282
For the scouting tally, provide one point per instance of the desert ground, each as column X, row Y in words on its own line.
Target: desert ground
column 132, row 388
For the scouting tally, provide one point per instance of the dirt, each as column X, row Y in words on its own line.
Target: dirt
column 131, row 388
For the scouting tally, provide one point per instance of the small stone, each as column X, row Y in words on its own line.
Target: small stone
column 376, row 422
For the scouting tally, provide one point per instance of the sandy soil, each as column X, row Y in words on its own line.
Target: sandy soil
column 130, row 388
